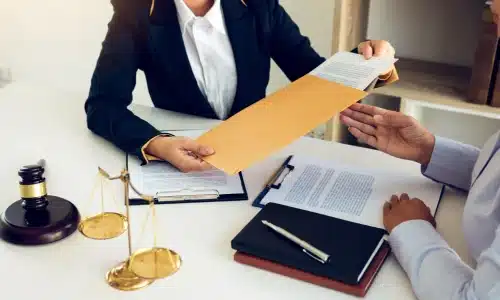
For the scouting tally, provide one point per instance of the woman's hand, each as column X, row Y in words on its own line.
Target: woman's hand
column 401, row 209
column 391, row 132
column 183, row 153
column 377, row 48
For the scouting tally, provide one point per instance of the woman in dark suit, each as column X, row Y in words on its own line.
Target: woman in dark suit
column 209, row 58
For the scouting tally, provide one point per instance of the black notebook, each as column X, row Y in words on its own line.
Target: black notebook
column 352, row 246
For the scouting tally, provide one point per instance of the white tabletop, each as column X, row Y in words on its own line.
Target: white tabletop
column 39, row 123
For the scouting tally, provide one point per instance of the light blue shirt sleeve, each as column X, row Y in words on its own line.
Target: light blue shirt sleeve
column 437, row 272
column 452, row 163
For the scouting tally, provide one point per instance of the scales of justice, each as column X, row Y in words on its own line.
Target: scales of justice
column 143, row 266
column 40, row 218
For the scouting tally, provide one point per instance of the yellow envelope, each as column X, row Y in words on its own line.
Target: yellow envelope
column 276, row 121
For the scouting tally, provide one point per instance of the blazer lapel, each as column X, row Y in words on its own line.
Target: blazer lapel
column 169, row 53
column 249, row 59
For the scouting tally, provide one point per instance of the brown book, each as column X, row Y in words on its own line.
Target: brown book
column 482, row 70
column 358, row 290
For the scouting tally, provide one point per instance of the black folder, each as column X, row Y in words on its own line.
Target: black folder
column 352, row 246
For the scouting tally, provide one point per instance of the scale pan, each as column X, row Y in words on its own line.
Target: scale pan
column 122, row 278
column 103, row 226
column 155, row 263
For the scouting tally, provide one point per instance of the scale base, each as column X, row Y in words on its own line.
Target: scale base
column 56, row 221
column 122, row 278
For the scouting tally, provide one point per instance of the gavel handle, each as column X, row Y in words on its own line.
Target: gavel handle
column 41, row 163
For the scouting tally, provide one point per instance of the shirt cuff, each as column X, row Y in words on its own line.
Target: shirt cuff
column 451, row 163
column 411, row 240
column 148, row 157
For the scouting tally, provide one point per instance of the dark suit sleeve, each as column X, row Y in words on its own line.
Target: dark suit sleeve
column 111, row 87
column 291, row 50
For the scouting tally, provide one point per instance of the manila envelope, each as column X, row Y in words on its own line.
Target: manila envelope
column 276, row 121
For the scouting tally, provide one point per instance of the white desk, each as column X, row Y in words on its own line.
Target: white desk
column 36, row 123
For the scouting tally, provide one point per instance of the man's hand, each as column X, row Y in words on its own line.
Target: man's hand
column 377, row 48
column 401, row 209
column 183, row 153
column 391, row 132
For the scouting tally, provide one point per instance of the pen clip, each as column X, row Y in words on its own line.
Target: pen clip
column 313, row 256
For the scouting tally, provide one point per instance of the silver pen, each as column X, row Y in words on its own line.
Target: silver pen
column 306, row 247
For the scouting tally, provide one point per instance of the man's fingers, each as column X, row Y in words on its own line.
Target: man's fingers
column 387, row 208
column 393, row 119
column 404, row 197
column 416, row 199
column 367, row 109
column 363, row 137
column 365, row 128
column 358, row 116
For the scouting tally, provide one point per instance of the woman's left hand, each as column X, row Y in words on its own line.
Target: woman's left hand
column 401, row 209
column 377, row 48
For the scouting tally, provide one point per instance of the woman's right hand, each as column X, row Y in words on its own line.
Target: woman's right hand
column 183, row 153
column 391, row 132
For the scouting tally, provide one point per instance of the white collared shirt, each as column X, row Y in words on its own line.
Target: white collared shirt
column 210, row 55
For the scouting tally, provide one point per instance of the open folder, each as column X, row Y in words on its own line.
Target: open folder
column 343, row 191
column 279, row 119
column 168, row 185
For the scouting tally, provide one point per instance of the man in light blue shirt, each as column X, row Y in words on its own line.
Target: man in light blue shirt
column 435, row 270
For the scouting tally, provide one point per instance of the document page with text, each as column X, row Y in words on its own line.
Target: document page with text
column 353, row 70
column 346, row 192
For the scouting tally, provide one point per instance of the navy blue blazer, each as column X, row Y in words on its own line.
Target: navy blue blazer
column 259, row 31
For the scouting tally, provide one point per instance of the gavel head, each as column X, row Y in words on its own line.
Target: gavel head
column 37, row 218
column 32, row 187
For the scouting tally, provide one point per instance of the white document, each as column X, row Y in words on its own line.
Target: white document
column 161, row 178
column 353, row 70
column 348, row 193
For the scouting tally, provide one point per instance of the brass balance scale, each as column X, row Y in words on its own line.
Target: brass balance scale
column 143, row 266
